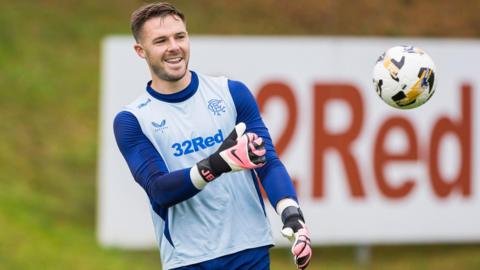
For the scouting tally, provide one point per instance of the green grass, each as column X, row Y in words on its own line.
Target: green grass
column 49, row 92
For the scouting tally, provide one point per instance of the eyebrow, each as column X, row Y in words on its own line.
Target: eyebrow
column 164, row 37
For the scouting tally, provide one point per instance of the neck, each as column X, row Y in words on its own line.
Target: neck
column 166, row 87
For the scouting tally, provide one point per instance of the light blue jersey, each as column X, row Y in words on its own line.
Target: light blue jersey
column 163, row 136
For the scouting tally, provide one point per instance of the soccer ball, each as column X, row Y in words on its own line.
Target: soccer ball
column 404, row 77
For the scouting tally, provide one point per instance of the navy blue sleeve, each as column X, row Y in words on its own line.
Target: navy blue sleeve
column 147, row 166
column 274, row 177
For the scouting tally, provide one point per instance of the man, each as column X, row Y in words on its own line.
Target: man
column 196, row 145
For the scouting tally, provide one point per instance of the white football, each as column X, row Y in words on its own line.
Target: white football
column 404, row 77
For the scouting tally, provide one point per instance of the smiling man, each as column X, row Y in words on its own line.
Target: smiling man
column 196, row 144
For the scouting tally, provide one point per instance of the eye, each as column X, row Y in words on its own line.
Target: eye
column 159, row 41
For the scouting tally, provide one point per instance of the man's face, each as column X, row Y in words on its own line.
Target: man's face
column 165, row 46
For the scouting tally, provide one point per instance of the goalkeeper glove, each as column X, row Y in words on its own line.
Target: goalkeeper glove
column 237, row 152
column 295, row 230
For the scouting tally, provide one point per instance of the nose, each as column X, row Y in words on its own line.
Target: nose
column 173, row 45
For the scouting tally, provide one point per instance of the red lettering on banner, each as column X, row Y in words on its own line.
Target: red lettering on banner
column 342, row 143
column 381, row 157
column 462, row 129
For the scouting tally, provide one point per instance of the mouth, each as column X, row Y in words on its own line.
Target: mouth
column 173, row 60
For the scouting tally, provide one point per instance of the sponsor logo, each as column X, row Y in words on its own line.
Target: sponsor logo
column 141, row 105
column 190, row 146
column 234, row 153
column 160, row 127
column 216, row 106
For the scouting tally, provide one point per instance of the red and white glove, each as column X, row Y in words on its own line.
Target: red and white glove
column 295, row 230
column 237, row 152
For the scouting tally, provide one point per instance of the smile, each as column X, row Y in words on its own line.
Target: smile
column 175, row 60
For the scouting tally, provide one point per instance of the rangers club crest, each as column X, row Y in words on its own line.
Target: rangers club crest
column 216, row 106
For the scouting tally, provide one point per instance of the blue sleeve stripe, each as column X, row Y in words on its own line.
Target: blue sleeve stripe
column 274, row 177
column 147, row 166
column 163, row 213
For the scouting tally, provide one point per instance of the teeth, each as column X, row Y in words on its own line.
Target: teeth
column 173, row 60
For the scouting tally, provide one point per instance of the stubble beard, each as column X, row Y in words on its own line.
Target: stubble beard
column 162, row 74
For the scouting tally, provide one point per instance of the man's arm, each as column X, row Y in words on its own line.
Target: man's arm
column 238, row 151
column 147, row 166
column 274, row 177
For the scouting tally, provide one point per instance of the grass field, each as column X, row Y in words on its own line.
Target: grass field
column 49, row 81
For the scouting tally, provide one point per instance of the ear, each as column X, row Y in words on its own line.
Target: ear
column 139, row 50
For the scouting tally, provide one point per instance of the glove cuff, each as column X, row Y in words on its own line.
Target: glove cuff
column 218, row 164
column 284, row 203
column 212, row 167
column 292, row 213
column 196, row 178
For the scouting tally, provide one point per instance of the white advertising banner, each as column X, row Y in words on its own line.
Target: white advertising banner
column 364, row 172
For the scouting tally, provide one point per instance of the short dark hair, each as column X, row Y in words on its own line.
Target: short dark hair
column 146, row 12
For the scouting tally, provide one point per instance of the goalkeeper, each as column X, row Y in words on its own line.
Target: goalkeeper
column 196, row 145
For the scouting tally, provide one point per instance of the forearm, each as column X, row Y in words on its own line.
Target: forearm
column 172, row 188
column 273, row 175
column 276, row 182
column 148, row 167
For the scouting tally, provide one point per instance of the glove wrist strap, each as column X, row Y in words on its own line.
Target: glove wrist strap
column 292, row 213
column 212, row 167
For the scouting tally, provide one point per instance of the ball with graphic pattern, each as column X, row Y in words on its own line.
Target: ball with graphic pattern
column 405, row 77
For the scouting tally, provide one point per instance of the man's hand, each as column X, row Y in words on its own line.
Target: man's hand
column 295, row 230
column 248, row 152
column 238, row 151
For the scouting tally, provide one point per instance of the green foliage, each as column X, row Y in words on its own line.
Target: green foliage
column 49, row 81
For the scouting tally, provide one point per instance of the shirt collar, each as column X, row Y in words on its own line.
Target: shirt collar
column 180, row 96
